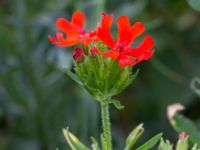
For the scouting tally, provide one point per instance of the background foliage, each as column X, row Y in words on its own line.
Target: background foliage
column 37, row 99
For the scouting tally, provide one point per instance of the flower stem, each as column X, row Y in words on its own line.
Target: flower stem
column 106, row 125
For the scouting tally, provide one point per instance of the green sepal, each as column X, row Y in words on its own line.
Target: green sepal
column 125, row 81
column 133, row 76
column 150, row 143
column 133, row 137
column 165, row 145
column 95, row 145
column 184, row 124
column 73, row 76
column 73, row 142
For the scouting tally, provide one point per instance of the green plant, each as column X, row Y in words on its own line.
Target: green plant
column 103, row 67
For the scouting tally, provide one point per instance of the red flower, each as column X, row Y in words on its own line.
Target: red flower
column 75, row 33
column 78, row 54
column 121, row 49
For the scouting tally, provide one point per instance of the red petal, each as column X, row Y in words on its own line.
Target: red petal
column 146, row 44
column 137, row 29
column 106, row 21
column 103, row 32
column 72, row 39
column 126, row 61
column 78, row 19
column 59, row 36
column 148, row 54
column 124, row 30
column 112, row 54
column 63, row 25
column 52, row 39
column 143, row 51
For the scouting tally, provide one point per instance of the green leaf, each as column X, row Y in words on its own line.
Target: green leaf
column 73, row 76
column 150, row 143
column 195, row 4
column 117, row 104
column 73, row 142
column 95, row 145
column 194, row 83
column 184, row 124
column 134, row 136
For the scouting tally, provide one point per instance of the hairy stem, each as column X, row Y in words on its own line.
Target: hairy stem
column 106, row 125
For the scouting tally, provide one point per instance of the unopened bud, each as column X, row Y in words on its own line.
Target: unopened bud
column 182, row 135
column 78, row 54
column 182, row 143
column 94, row 51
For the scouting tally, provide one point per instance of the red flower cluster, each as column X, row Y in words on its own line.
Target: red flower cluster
column 120, row 49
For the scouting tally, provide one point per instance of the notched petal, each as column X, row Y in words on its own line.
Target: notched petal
column 112, row 54
column 63, row 24
column 78, row 19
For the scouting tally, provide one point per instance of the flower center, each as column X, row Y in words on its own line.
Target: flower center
column 120, row 46
column 81, row 31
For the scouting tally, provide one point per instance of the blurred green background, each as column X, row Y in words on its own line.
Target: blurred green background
column 37, row 99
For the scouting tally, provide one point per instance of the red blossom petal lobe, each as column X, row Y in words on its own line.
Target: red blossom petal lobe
column 112, row 54
column 78, row 19
column 143, row 51
column 124, row 30
column 137, row 29
column 63, row 24
column 103, row 30
column 52, row 39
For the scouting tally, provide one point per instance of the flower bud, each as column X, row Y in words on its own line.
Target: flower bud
column 182, row 135
column 94, row 51
column 78, row 54
column 182, row 143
